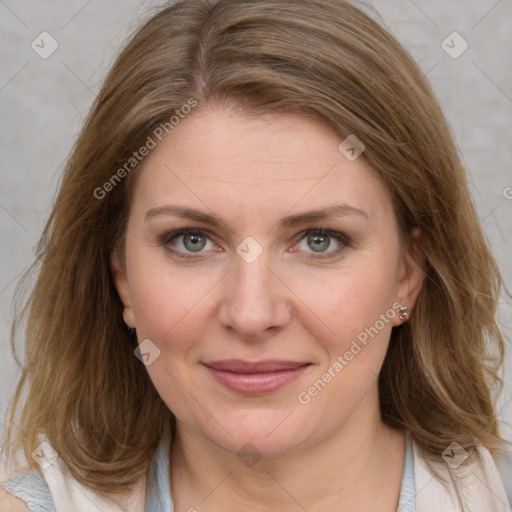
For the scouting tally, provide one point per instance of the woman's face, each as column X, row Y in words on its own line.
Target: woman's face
column 257, row 327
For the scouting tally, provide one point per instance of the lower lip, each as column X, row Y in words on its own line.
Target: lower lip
column 257, row 383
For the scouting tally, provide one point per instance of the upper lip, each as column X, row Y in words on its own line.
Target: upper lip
column 241, row 366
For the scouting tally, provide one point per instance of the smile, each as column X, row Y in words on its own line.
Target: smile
column 255, row 378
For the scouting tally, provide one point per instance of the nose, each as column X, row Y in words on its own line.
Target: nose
column 255, row 302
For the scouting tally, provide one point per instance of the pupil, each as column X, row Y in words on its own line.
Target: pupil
column 195, row 240
column 320, row 242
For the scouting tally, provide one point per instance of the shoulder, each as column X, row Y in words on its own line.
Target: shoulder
column 8, row 503
column 458, row 476
column 25, row 491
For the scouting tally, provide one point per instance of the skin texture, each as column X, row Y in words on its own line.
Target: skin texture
column 290, row 303
column 9, row 503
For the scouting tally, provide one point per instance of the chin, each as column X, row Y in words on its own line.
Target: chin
column 271, row 433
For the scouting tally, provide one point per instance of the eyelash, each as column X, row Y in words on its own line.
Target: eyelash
column 340, row 237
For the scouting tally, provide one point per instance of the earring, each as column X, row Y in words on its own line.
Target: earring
column 404, row 315
column 131, row 333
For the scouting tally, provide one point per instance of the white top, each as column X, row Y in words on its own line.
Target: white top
column 475, row 486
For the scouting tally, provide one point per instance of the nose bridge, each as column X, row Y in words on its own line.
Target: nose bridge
column 253, row 277
column 255, row 300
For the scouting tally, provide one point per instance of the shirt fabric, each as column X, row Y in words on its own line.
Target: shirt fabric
column 31, row 487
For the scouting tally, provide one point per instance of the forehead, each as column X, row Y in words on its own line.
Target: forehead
column 240, row 166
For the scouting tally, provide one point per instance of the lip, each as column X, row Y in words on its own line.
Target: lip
column 253, row 378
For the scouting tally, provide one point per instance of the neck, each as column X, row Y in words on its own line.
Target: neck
column 358, row 467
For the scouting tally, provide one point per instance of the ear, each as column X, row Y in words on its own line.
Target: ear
column 411, row 271
column 121, row 283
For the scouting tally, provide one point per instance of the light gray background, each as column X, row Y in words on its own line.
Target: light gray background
column 43, row 102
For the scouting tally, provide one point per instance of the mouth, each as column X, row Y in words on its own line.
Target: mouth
column 255, row 378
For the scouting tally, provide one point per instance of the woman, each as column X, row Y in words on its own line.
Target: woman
column 264, row 285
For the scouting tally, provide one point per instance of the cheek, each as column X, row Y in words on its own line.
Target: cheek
column 169, row 308
column 160, row 293
column 356, row 312
column 168, row 305
column 353, row 311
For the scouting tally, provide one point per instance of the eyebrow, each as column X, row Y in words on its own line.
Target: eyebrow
column 337, row 210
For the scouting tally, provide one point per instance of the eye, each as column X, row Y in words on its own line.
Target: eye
column 320, row 240
column 187, row 240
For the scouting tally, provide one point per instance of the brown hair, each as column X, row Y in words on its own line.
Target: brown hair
column 81, row 384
